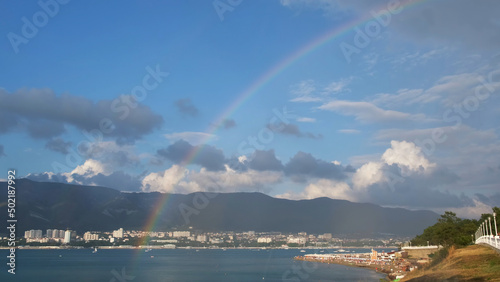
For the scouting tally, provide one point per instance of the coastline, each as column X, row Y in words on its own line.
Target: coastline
column 187, row 247
column 392, row 270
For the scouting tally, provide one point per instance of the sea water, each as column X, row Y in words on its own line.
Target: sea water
column 120, row 265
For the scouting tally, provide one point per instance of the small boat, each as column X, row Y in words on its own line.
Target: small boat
column 95, row 250
column 302, row 251
column 342, row 250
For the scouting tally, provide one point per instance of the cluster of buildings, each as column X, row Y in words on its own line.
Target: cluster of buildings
column 51, row 235
column 184, row 238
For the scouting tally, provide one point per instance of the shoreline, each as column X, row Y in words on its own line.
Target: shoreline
column 187, row 247
column 391, row 270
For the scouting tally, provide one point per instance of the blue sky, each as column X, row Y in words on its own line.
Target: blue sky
column 409, row 118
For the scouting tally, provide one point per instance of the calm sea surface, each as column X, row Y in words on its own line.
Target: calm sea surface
column 176, row 265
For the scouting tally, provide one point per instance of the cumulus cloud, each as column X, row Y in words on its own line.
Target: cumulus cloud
column 206, row 156
column 58, row 145
column 368, row 174
column 478, row 147
column 408, row 155
column 117, row 180
column 178, row 179
column 401, row 176
column 303, row 166
column 186, row 107
column 88, row 169
column 265, row 160
column 43, row 114
column 164, row 181
column 323, row 188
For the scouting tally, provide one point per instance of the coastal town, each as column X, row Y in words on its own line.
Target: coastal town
column 192, row 238
column 387, row 255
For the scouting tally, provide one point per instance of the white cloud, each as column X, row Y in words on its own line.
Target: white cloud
column 303, row 92
column 406, row 154
column 242, row 159
column 404, row 97
column 178, row 179
column 336, row 87
column 323, row 188
column 232, row 181
column 164, row 181
column 349, row 131
column 449, row 90
column 306, row 90
column 473, row 212
column 306, row 119
column 88, row 169
column 194, row 138
column 370, row 173
column 367, row 112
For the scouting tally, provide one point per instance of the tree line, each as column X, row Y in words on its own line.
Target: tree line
column 451, row 230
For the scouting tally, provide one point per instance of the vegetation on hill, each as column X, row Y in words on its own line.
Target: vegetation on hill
column 452, row 231
column 457, row 261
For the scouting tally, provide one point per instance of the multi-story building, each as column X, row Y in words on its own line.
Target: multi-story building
column 67, row 237
column 178, row 234
column 327, row 236
column 201, row 238
column 90, row 236
column 296, row 240
column 61, row 234
column 118, row 233
column 264, row 240
column 33, row 234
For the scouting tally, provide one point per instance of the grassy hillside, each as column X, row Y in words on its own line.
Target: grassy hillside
column 472, row 263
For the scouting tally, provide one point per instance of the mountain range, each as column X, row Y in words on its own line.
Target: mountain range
column 50, row 205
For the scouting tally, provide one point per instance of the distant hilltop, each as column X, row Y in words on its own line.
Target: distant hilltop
column 45, row 205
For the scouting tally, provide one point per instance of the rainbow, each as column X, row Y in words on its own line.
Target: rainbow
column 261, row 82
column 277, row 69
